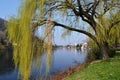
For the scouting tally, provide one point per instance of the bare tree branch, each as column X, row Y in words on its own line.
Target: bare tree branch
column 69, row 28
column 70, row 5
column 77, row 30
column 95, row 6
column 79, row 5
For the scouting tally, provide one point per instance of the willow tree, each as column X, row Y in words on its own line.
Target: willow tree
column 95, row 13
column 67, row 14
column 21, row 33
column 111, row 36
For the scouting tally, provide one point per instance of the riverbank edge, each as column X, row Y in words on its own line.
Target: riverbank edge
column 61, row 75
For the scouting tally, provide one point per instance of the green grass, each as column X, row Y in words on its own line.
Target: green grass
column 103, row 70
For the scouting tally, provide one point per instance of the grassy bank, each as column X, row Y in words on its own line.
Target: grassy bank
column 99, row 70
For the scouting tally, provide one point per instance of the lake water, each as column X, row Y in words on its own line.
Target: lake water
column 61, row 59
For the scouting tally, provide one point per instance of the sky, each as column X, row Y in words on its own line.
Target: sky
column 10, row 8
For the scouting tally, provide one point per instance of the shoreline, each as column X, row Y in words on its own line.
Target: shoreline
column 63, row 74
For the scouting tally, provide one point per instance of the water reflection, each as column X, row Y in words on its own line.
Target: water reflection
column 61, row 59
column 7, row 67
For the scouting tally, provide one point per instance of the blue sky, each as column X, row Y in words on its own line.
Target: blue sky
column 10, row 8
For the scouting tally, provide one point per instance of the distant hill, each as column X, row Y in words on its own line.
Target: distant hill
column 3, row 36
column 2, row 24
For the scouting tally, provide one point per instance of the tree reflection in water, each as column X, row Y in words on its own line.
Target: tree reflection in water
column 6, row 61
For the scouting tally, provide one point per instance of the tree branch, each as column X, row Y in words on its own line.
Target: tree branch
column 69, row 28
column 77, row 30
column 113, row 24
column 79, row 5
column 95, row 6
column 71, row 6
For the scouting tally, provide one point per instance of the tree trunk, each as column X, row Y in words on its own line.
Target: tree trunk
column 105, row 50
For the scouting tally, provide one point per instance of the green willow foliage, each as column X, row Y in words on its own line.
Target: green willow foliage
column 20, row 32
column 115, row 31
column 107, row 30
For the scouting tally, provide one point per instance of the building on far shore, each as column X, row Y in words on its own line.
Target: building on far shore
column 84, row 47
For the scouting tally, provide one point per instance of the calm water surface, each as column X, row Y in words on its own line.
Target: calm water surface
column 61, row 59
